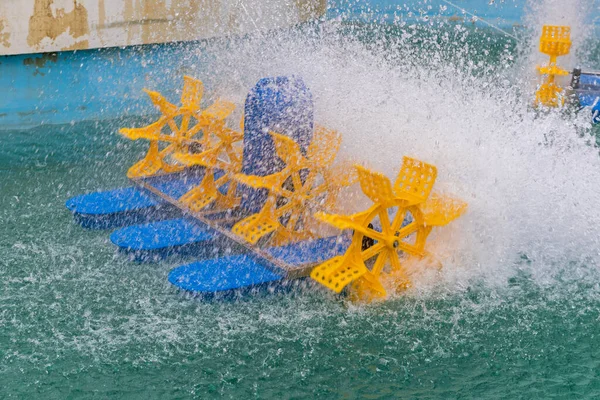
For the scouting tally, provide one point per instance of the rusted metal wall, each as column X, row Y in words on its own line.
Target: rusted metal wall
column 35, row 26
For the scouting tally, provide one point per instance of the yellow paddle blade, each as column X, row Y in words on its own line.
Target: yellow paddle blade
column 354, row 221
column 441, row 210
column 166, row 108
column 202, row 195
column 368, row 288
column 150, row 132
column 149, row 165
column 218, row 111
column 375, row 185
column 552, row 70
column 227, row 135
column 208, row 192
column 191, row 96
column 287, row 149
column 271, row 182
column 555, row 40
column 143, row 168
column 550, row 95
column 338, row 272
column 324, row 146
column 207, row 158
column 255, row 227
column 415, row 180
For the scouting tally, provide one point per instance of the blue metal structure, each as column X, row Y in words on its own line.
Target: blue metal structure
column 586, row 86
column 57, row 88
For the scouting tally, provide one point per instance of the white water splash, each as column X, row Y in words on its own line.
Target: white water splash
column 530, row 179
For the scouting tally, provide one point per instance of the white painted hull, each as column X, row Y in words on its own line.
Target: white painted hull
column 39, row 26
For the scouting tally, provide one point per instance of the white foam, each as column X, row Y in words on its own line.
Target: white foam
column 530, row 179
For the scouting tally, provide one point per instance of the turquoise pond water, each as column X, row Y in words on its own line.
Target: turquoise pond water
column 515, row 313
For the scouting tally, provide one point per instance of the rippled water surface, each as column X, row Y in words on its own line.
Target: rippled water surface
column 515, row 313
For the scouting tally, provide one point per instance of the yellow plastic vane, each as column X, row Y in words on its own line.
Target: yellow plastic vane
column 220, row 156
column 177, row 126
column 394, row 229
column 307, row 182
column 555, row 42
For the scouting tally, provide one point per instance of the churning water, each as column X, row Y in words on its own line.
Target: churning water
column 515, row 312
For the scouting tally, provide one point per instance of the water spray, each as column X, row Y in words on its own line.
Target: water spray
column 482, row 20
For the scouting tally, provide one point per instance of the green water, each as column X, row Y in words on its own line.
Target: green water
column 78, row 320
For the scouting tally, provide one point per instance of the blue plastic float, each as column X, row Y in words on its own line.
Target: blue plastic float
column 132, row 205
column 247, row 271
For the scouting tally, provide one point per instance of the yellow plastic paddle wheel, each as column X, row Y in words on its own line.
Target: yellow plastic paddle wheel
column 393, row 230
column 307, row 183
column 220, row 156
column 555, row 42
column 177, row 127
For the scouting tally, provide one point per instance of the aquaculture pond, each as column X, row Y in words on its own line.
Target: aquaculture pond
column 514, row 312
